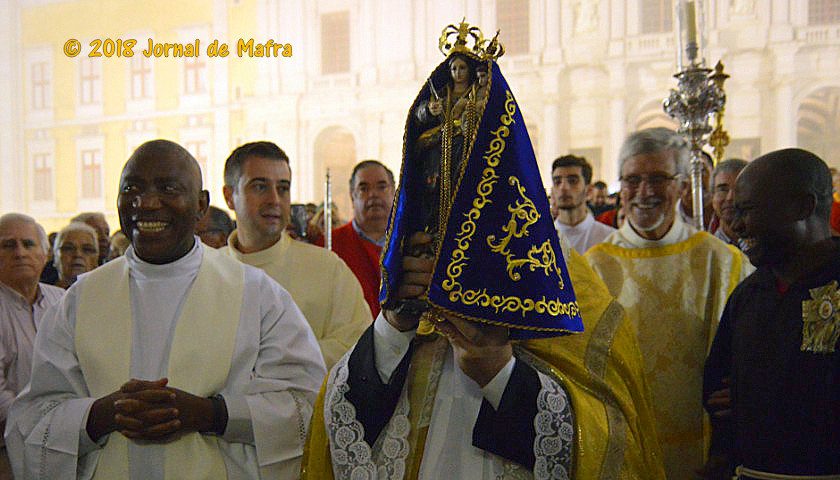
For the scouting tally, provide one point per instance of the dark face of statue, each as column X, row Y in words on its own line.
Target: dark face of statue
column 459, row 70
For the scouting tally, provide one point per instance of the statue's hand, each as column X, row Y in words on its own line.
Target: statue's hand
column 435, row 107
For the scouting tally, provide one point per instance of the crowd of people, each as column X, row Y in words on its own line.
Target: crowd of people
column 187, row 342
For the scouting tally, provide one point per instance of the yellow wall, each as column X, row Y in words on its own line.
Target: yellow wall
column 52, row 24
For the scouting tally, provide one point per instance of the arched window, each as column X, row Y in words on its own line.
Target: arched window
column 652, row 115
column 818, row 124
column 335, row 148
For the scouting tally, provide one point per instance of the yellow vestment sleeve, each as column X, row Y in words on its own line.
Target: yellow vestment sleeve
column 601, row 370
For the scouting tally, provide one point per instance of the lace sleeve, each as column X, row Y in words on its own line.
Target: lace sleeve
column 554, row 427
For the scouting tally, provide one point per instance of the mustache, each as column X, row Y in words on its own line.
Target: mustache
column 374, row 203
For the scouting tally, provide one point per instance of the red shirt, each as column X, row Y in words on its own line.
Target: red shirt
column 834, row 220
column 609, row 218
column 362, row 257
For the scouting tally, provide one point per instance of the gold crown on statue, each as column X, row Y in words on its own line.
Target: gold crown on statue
column 469, row 40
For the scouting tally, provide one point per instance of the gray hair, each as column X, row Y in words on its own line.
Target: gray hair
column 652, row 141
column 19, row 217
column 74, row 227
column 730, row 165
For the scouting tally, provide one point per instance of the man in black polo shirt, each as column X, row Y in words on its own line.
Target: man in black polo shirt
column 777, row 342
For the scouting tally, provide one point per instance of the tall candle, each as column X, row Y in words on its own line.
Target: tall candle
column 691, row 22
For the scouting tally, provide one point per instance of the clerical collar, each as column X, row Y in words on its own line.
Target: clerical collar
column 188, row 264
column 262, row 257
column 359, row 232
column 679, row 232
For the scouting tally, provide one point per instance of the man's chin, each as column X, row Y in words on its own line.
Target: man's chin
column 272, row 231
column 647, row 223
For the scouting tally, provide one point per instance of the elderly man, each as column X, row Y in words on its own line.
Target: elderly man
column 257, row 184
column 777, row 340
column 359, row 242
column 23, row 301
column 173, row 361
column 571, row 177
column 97, row 221
column 674, row 282
column 723, row 179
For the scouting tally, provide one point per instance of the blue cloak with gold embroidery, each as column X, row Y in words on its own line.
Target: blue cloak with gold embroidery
column 498, row 258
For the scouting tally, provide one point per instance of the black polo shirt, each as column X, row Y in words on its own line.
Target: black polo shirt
column 786, row 401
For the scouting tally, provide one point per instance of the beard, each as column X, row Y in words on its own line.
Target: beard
column 650, row 227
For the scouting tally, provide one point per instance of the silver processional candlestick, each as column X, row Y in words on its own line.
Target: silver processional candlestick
column 328, row 212
column 696, row 98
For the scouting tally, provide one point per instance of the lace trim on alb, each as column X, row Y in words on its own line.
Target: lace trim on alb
column 554, row 426
column 304, row 410
column 504, row 470
column 352, row 457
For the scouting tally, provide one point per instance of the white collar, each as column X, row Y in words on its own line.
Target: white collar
column 186, row 265
column 679, row 231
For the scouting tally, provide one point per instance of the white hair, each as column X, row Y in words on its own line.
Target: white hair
column 19, row 217
column 73, row 227
column 652, row 141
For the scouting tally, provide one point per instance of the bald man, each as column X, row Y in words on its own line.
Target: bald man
column 777, row 340
column 174, row 361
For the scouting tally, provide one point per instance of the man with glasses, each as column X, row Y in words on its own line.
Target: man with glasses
column 673, row 282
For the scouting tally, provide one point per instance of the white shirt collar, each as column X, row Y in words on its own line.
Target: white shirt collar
column 186, row 265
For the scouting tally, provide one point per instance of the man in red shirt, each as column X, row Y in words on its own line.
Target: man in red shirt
column 359, row 242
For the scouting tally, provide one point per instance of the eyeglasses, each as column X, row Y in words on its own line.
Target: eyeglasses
column 69, row 248
column 656, row 180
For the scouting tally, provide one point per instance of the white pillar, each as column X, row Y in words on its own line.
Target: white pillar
column 12, row 155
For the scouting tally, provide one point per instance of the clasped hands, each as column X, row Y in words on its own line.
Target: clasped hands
column 481, row 350
column 150, row 411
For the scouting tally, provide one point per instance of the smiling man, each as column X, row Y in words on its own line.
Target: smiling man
column 673, row 281
column 257, row 187
column 173, row 361
column 777, row 340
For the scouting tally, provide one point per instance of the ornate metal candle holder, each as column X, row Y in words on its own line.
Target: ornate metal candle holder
column 696, row 97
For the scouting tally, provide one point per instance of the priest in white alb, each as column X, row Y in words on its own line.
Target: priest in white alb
column 174, row 361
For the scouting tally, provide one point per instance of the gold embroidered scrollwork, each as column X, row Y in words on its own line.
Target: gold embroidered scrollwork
column 523, row 215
